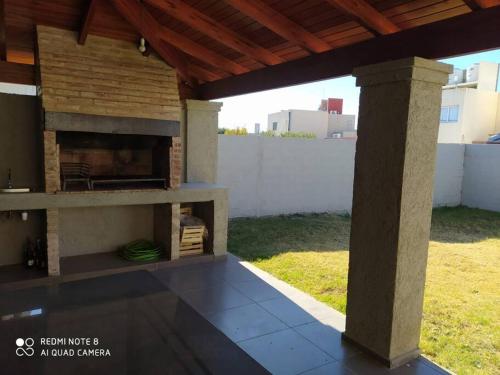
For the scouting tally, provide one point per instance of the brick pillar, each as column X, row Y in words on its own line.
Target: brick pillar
column 175, row 231
column 392, row 204
column 175, row 163
column 51, row 162
column 53, row 241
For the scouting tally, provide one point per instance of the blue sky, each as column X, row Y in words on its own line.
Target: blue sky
column 246, row 110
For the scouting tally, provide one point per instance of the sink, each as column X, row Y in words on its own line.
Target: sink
column 15, row 190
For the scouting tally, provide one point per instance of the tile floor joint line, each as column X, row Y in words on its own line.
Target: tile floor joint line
column 231, row 308
column 277, row 317
column 305, row 324
column 317, row 367
column 266, row 298
column 328, row 354
column 433, row 366
column 259, row 336
column 286, row 289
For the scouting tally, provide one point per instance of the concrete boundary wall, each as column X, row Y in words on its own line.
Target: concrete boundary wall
column 481, row 183
column 449, row 175
column 272, row 176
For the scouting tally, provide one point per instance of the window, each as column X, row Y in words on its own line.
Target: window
column 453, row 115
column 275, row 125
column 449, row 113
column 445, row 111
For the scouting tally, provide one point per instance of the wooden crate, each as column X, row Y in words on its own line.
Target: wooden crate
column 187, row 209
column 192, row 240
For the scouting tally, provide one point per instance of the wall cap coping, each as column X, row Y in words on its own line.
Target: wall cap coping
column 408, row 69
column 188, row 192
column 202, row 105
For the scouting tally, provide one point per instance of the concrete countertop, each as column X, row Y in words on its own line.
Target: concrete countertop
column 189, row 192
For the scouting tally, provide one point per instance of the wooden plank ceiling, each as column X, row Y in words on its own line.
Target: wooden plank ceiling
column 212, row 40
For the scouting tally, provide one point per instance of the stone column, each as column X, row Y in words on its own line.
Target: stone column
column 167, row 228
column 200, row 127
column 200, row 143
column 221, row 218
column 51, row 162
column 176, row 163
column 392, row 201
column 175, row 231
column 53, row 241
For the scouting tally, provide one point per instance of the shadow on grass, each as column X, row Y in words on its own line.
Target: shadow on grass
column 464, row 225
column 262, row 238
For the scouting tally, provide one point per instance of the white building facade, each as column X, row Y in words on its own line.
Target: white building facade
column 321, row 123
column 470, row 109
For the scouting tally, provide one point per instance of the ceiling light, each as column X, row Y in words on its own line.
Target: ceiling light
column 142, row 45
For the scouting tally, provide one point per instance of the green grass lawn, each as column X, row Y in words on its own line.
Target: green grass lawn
column 461, row 324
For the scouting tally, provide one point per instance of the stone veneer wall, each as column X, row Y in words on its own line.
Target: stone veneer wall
column 53, row 241
column 104, row 77
column 175, row 163
column 51, row 162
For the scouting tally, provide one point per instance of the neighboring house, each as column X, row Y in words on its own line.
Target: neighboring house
column 327, row 122
column 470, row 109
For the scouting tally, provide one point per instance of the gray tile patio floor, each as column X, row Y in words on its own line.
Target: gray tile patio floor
column 284, row 329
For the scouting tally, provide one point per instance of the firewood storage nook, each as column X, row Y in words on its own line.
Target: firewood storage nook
column 120, row 153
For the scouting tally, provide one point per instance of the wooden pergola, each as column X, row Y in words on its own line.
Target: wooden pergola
column 224, row 48
column 221, row 48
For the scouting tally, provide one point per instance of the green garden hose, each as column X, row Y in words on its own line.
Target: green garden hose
column 140, row 251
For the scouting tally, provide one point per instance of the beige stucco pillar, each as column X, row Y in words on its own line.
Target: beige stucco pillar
column 200, row 126
column 392, row 202
column 221, row 217
column 167, row 228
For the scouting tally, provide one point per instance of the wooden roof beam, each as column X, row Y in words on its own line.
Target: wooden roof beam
column 481, row 4
column 154, row 32
column 150, row 29
column 486, row 3
column 366, row 15
column 472, row 4
column 476, row 31
column 281, row 25
column 216, row 30
column 87, row 20
column 17, row 73
column 198, row 51
column 202, row 73
column 192, row 69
